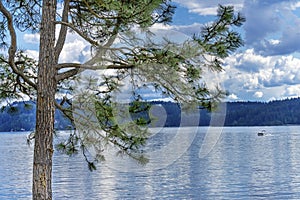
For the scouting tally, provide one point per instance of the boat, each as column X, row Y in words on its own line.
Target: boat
column 261, row 133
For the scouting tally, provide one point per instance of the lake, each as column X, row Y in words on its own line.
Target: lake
column 235, row 164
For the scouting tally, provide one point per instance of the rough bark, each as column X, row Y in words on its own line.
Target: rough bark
column 46, row 88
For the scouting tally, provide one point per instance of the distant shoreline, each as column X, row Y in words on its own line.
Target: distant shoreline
column 21, row 117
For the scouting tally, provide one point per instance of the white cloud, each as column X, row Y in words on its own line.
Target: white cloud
column 208, row 7
column 274, row 42
column 272, row 27
column 31, row 38
column 32, row 54
column 258, row 94
column 293, row 90
column 295, row 5
column 75, row 49
column 268, row 69
column 189, row 30
column 204, row 11
column 252, row 76
column 72, row 51
column 160, row 26
column 265, row 69
column 232, row 97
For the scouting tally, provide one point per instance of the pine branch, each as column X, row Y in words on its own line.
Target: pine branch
column 63, row 30
column 85, row 37
column 13, row 46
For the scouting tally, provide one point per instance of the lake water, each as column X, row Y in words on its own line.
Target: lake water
column 241, row 165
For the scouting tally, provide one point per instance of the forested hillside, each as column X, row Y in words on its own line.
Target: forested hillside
column 21, row 115
column 284, row 112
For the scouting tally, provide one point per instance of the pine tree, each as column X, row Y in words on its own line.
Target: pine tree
column 174, row 70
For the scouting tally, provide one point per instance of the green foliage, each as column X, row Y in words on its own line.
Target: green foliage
column 27, row 16
column 139, row 106
column 70, row 147
column 101, row 19
column 12, row 86
column 174, row 69
column 283, row 112
column 126, row 134
column 219, row 39
column 139, row 111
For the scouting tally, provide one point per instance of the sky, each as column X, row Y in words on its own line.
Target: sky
column 266, row 68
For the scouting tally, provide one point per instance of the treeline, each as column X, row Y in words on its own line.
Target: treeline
column 273, row 113
column 20, row 116
column 283, row 112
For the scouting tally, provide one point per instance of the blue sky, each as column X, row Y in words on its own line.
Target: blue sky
column 266, row 68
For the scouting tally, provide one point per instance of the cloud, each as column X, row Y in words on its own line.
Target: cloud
column 261, row 20
column 295, row 5
column 272, row 27
column 232, row 97
column 32, row 54
column 249, row 61
column 266, row 68
column 258, row 94
column 188, row 30
column 73, row 51
column 252, row 76
column 208, row 7
column 293, row 90
column 285, row 71
column 288, row 43
column 31, row 38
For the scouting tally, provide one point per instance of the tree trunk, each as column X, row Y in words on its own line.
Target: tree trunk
column 46, row 88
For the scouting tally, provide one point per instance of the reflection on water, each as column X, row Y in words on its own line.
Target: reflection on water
column 240, row 166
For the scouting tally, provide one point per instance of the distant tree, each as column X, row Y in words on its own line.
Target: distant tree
column 172, row 69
